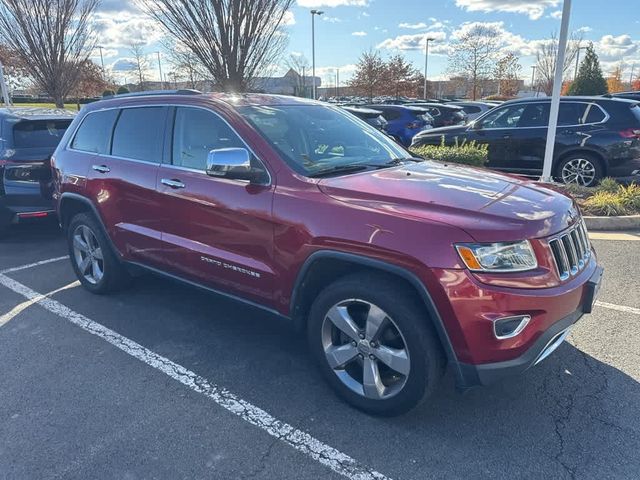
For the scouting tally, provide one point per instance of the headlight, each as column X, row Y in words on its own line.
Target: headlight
column 498, row 257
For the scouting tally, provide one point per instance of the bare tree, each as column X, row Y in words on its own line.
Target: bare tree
column 369, row 77
column 140, row 62
column 186, row 66
column 546, row 59
column 233, row 39
column 402, row 77
column 15, row 71
column 507, row 72
column 91, row 82
column 474, row 55
column 299, row 64
column 52, row 37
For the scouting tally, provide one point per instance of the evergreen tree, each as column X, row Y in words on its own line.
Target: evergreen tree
column 590, row 80
column 122, row 90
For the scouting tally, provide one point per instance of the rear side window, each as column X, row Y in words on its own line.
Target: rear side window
column 39, row 133
column 138, row 134
column 535, row 115
column 196, row 133
column 594, row 114
column 94, row 133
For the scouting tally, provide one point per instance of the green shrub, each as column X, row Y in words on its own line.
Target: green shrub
column 608, row 185
column 630, row 197
column 123, row 90
column 469, row 153
column 108, row 93
column 605, row 203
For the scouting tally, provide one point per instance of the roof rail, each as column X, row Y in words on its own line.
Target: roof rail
column 156, row 92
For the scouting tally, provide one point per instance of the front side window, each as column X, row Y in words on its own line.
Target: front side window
column 138, row 134
column 314, row 139
column 196, row 132
column 94, row 134
column 506, row 117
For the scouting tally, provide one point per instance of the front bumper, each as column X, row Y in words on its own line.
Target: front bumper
column 487, row 373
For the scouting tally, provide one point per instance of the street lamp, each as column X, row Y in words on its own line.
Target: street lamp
column 533, row 76
column 426, row 64
column 575, row 75
column 100, row 47
column 313, row 48
column 160, row 70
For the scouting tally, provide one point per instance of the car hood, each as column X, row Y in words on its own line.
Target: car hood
column 489, row 206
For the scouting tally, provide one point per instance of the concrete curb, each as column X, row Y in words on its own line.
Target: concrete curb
column 627, row 222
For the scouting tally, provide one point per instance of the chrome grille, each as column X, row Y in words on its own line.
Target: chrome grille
column 571, row 250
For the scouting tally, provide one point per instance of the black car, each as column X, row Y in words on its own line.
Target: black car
column 28, row 138
column 369, row 115
column 444, row 114
column 596, row 137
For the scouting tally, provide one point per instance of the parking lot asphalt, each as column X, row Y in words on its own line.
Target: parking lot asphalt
column 164, row 381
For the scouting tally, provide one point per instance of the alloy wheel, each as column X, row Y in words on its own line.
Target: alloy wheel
column 579, row 170
column 88, row 254
column 365, row 349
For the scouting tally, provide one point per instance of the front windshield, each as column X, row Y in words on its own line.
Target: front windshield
column 315, row 139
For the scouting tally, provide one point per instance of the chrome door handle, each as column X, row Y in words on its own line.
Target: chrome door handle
column 172, row 183
column 101, row 168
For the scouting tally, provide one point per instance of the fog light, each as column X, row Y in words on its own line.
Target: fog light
column 509, row 327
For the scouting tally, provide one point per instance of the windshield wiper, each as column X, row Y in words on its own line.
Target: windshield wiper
column 340, row 169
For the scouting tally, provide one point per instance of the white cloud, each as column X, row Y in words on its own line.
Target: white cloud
column 359, row 34
column 584, row 30
column 534, row 9
column 413, row 26
column 416, row 42
column 331, row 19
column 122, row 29
column 289, row 18
column 557, row 14
column 332, row 3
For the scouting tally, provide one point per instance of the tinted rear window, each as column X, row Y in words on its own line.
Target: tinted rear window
column 95, row 132
column 138, row 134
column 471, row 109
column 39, row 133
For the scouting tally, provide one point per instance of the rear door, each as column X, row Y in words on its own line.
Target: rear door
column 216, row 231
column 529, row 139
column 122, row 177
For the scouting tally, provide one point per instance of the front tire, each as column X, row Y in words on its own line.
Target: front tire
column 580, row 168
column 94, row 261
column 374, row 344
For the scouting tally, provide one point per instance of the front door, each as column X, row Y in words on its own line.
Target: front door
column 215, row 231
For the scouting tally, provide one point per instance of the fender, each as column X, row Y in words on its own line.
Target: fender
column 92, row 208
column 395, row 270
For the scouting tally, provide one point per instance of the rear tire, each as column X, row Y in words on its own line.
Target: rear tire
column 95, row 263
column 583, row 169
column 375, row 345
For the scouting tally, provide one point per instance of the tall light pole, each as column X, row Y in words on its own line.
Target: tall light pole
column 575, row 74
column 426, row 64
column 555, row 97
column 533, row 76
column 633, row 67
column 160, row 70
column 100, row 47
column 313, row 48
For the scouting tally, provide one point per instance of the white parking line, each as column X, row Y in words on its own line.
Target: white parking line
column 36, row 264
column 620, row 308
column 301, row 441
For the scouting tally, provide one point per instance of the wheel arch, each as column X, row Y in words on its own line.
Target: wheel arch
column 599, row 156
column 326, row 265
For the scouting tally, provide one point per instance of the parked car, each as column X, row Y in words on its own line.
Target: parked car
column 444, row 114
column 28, row 137
column 403, row 121
column 393, row 267
column 596, row 137
column 473, row 109
column 369, row 115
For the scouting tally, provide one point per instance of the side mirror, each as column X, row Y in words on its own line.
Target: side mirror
column 233, row 163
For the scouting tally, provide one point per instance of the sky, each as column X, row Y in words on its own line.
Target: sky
column 350, row 27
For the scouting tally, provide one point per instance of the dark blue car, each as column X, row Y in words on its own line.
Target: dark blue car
column 404, row 122
column 28, row 138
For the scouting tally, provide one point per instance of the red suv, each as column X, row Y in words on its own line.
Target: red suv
column 395, row 267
